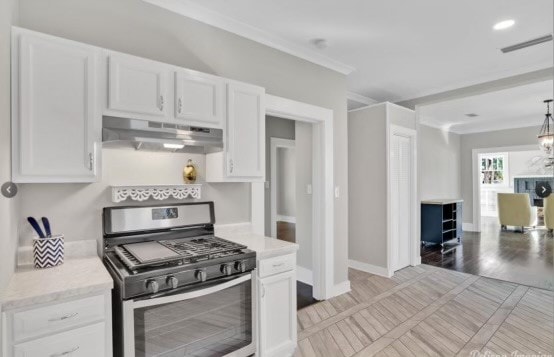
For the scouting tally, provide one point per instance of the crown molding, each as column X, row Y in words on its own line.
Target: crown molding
column 194, row 11
column 358, row 98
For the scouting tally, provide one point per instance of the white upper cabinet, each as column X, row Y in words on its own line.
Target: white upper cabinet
column 199, row 98
column 55, row 116
column 138, row 87
column 245, row 131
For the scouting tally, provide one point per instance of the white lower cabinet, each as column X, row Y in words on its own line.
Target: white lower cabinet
column 88, row 341
column 277, row 309
column 78, row 327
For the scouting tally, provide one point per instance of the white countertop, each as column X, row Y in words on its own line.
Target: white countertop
column 442, row 201
column 76, row 276
column 264, row 247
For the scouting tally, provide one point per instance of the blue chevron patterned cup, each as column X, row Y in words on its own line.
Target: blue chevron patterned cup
column 48, row 252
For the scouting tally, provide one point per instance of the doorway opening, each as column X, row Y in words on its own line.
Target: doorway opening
column 289, row 210
column 514, row 169
column 323, row 192
column 282, row 165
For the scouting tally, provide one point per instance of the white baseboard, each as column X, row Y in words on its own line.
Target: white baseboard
column 369, row 268
column 304, row 275
column 288, row 219
column 468, row 227
column 418, row 261
column 341, row 288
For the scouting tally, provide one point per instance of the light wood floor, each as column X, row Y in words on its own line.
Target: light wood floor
column 428, row 311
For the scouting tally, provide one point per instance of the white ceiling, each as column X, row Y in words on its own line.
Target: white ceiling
column 399, row 49
column 509, row 108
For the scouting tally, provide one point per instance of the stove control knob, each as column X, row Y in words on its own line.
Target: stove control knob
column 227, row 269
column 152, row 286
column 172, row 281
column 201, row 275
column 240, row 266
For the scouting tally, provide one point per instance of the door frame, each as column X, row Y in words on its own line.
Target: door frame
column 475, row 226
column 323, row 221
column 274, row 144
column 415, row 258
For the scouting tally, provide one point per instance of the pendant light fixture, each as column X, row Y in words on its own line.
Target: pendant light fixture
column 546, row 135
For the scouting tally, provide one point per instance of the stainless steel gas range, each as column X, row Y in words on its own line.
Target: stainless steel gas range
column 179, row 290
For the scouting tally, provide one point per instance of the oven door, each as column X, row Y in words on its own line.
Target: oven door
column 214, row 319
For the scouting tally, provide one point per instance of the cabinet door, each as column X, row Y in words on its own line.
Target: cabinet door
column 245, row 131
column 55, row 116
column 89, row 341
column 278, row 314
column 199, row 98
column 137, row 86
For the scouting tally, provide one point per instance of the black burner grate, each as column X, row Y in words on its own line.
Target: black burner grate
column 202, row 248
column 190, row 250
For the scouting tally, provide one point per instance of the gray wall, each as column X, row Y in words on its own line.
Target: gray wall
column 138, row 28
column 367, row 176
column 286, row 182
column 8, row 207
column 491, row 139
column 276, row 128
column 304, row 209
column 438, row 163
column 75, row 209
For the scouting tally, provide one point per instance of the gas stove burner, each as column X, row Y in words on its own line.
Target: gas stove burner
column 201, row 246
column 153, row 254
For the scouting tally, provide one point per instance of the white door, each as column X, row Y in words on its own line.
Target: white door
column 199, row 98
column 55, row 109
column 137, row 86
column 401, row 181
column 245, row 130
column 277, row 314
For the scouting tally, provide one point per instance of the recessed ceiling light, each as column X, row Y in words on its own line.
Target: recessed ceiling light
column 502, row 25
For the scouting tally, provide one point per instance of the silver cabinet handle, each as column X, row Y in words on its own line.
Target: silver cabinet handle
column 278, row 265
column 180, row 106
column 64, row 317
column 90, row 161
column 65, row 353
column 232, row 166
column 161, row 103
column 263, row 290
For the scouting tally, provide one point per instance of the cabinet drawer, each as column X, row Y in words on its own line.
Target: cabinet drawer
column 277, row 265
column 89, row 341
column 52, row 318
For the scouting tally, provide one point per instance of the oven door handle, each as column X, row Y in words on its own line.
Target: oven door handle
column 191, row 294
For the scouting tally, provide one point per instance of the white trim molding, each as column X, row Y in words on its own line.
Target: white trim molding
column 200, row 13
column 323, row 190
column 341, row 288
column 468, row 227
column 358, row 98
column 288, row 219
column 304, row 275
column 370, row 268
